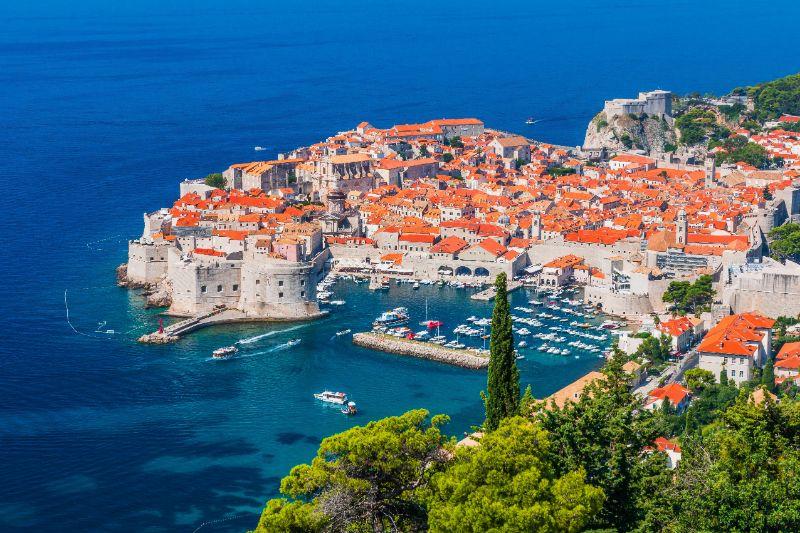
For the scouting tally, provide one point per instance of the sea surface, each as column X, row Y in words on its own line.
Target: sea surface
column 106, row 106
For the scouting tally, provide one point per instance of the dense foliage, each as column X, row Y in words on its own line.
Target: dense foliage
column 785, row 242
column 509, row 482
column 699, row 124
column 774, row 98
column 688, row 297
column 502, row 390
column 364, row 479
column 741, row 474
column 604, row 434
column 737, row 148
column 215, row 180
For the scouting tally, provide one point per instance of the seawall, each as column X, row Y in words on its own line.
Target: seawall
column 423, row 350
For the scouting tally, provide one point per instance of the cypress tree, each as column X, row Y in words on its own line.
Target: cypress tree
column 502, row 390
column 768, row 376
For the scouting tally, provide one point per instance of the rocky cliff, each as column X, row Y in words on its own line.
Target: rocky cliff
column 630, row 132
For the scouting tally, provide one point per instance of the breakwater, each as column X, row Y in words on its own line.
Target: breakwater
column 490, row 293
column 433, row 352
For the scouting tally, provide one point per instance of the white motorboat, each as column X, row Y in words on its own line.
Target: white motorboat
column 337, row 302
column 226, row 352
column 327, row 396
column 343, row 332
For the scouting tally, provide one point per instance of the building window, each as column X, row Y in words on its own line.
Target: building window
column 203, row 289
column 258, row 282
column 733, row 373
column 280, row 283
column 302, row 282
column 280, row 295
column 219, row 288
column 302, row 294
column 741, row 373
column 235, row 288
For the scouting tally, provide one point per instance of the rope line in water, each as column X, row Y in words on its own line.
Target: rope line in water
column 204, row 524
column 66, row 306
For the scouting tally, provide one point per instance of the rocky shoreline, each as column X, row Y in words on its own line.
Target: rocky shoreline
column 158, row 294
column 386, row 343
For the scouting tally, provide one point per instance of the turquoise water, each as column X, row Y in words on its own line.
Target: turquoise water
column 106, row 106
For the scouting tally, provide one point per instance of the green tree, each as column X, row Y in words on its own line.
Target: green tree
column 509, row 484
column 767, row 193
column 655, row 349
column 215, row 180
column 768, row 376
column 605, row 433
column 560, row 171
column 502, row 390
column 365, row 478
column 447, row 157
column 785, row 241
column 698, row 379
column 774, row 98
column 691, row 297
column 744, row 475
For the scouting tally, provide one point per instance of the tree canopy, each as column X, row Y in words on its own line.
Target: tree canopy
column 690, row 297
column 785, row 242
column 776, row 97
column 363, row 479
column 215, row 180
column 508, row 483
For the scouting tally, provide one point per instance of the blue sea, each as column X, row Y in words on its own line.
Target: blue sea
column 106, row 106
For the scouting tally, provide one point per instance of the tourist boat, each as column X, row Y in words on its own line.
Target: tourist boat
column 473, row 318
column 293, row 342
column 530, row 121
column 259, row 148
column 421, row 335
column 396, row 316
column 331, row 397
column 438, row 339
column 520, row 357
column 522, row 344
column 225, row 352
column 337, row 302
column 350, row 408
column 343, row 332
column 609, row 324
column 416, row 285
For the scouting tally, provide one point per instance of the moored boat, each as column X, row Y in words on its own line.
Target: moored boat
column 394, row 317
column 350, row 408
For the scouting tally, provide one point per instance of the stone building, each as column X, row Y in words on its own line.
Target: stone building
column 654, row 103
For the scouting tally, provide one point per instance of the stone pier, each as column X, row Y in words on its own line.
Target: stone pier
column 386, row 343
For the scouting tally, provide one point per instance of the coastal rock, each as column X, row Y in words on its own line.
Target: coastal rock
column 630, row 132
column 159, row 295
column 122, row 275
column 157, row 338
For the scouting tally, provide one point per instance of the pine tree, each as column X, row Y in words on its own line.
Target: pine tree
column 502, row 391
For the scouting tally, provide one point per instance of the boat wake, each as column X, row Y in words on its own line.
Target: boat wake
column 251, row 340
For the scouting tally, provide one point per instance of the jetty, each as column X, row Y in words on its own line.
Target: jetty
column 466, row 358
column 174, row 332
column 489, row 293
